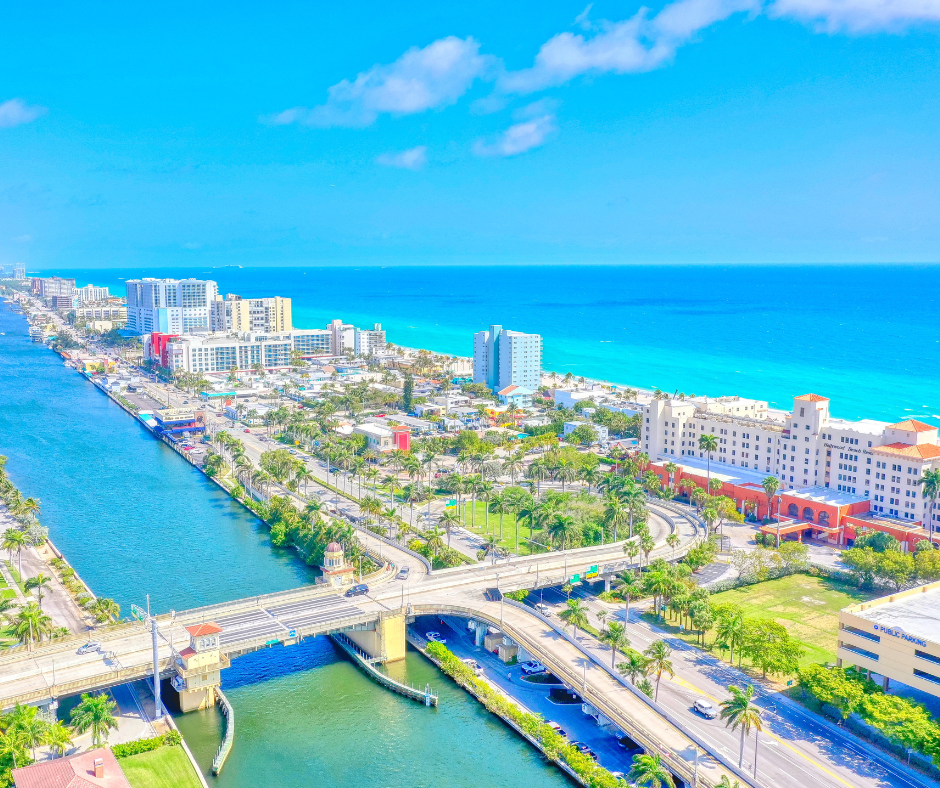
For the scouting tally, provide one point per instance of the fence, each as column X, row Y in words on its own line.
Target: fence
column 226, row 747
column 364, row 661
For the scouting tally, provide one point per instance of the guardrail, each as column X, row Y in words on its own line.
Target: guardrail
column 424, row 696
column 229, row 739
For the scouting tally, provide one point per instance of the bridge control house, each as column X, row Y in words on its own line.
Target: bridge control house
column 199, row 667
column 896, row 637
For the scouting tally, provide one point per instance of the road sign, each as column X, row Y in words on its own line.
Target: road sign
column 451, row 502
column 292, row 633
column 138, row 613
column 575, row 579
column 591, row 572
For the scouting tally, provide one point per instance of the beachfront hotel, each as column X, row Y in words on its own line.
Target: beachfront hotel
column 835, row 475
column 504, row 358
column 234, row 313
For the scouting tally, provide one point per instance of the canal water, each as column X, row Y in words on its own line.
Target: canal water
column 135, row 519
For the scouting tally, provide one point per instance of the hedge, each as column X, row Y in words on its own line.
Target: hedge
column 168, row 739
column 555, row 746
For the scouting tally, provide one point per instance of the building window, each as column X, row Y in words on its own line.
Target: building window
column 926, row 676
column 868, row 636
column 863, row 653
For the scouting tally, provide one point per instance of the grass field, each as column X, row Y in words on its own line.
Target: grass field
column 469, row 515
column 166, row 767
column 807, row 606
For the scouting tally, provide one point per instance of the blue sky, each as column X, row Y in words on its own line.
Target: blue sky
column 696, row 131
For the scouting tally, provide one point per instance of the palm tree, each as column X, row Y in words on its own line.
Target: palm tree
column 730, row 630
column 771, row 484
column 648, row 772
column 708, row 443
column 450, row 519
column 30, row 624
column 738, row 712
column 563, row 526
column 673, row 541
column 636, row 665
column 105, row 610
column 617, row 512
column 635, row 500
column 631, row 589
column 575, row 614
column 614, row 636
column 931, row 483
column 13, row 747
column 94, row 713
column 434, row 541
column 14, row 540
column 658, row 655
column 39, row 582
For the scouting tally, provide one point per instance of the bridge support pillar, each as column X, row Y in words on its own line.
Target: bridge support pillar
column 480, row 634
column 386, row 641
column 607, row 583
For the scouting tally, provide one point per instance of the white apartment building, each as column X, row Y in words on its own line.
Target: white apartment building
column 369, row 341
column 89, row 294
column 504, row 358
column 804, row 447
column 103, row 312
column 170, row 306
column 219, row 353
column 234, row 313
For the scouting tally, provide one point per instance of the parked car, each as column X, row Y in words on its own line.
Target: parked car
column 473, row 665
column 558, row 729
column 403, row 573
column 358, row 590
column 706, row 708
column 435, row 637
column 89, row 648
column 532, row 667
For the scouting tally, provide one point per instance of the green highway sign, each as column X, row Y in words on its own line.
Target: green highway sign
column 591, row 572
column 575, row 579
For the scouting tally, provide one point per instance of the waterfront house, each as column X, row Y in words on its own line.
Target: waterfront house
column 96, row 768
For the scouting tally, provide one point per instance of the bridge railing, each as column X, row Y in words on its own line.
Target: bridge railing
column 424, row 696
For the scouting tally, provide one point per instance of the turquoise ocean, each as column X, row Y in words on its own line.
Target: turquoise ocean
column 867, row 337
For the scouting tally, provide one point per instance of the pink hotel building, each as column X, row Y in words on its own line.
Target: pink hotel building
column 835, row 475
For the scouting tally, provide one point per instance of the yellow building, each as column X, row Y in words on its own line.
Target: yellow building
column 199, row 667
column 896, row 636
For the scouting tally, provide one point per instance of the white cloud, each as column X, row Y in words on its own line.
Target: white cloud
column 16, row 112
column 858, row 16
column 631, row 46
column 421, row 79
column 582, row 20
column 518, row 138
column 411, row 159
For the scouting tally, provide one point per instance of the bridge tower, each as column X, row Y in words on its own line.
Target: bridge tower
column 199, row 666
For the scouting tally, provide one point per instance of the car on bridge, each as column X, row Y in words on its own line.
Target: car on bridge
column 358, row 590
column 533, row 667
column 89, row 648
column 403, row 573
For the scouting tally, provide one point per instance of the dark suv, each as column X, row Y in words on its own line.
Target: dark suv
column 358, row 590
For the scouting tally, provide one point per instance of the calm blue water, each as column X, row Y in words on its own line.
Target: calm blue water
column 134, row 518
column 865, row 336
column 130, row 514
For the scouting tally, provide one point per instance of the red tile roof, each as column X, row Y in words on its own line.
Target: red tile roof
column 910, row 425
column 813, row 398
column 75, row 771
column 209, row 628
column 923, row 451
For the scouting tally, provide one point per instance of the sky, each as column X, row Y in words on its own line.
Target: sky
column 691, row 131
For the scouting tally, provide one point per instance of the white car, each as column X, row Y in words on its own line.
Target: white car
column 473, row 665
column 435, row 637
column 532, row 667
column 706, row 708
column 89, row 648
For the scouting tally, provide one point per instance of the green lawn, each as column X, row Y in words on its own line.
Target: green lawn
column 470, row 515
column 807, row 606
column 166, row 767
